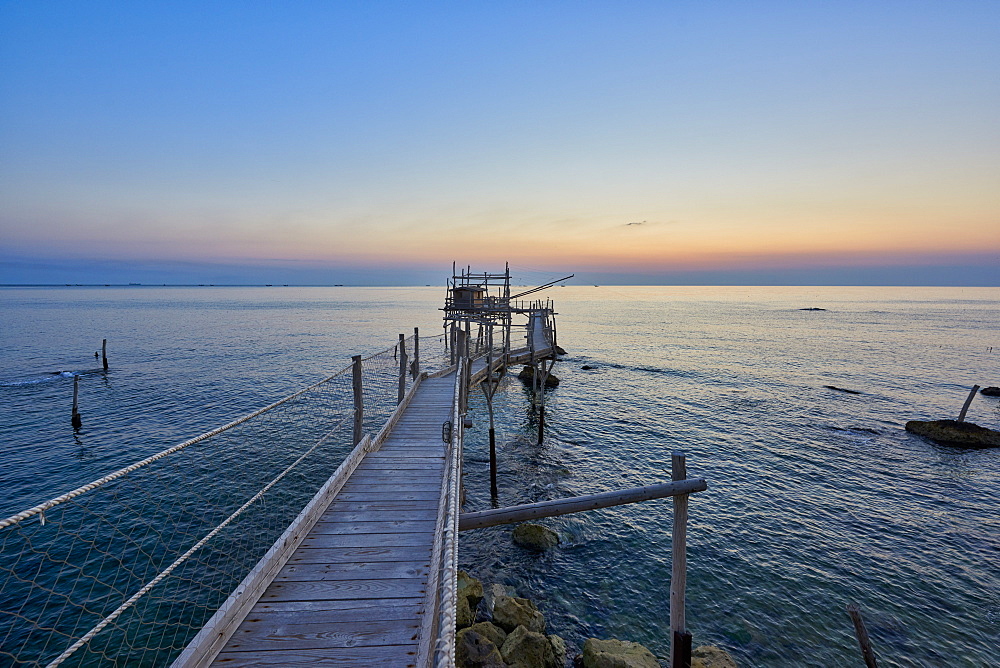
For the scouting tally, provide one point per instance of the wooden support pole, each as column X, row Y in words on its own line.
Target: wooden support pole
column 532, row 511
column 359, row 400
column 76, row 421
column 682, row 650
column 104, row 353
column 854, row 610
column 416, row 352
column 678, row 574
column 402, row 370
column 968, row 402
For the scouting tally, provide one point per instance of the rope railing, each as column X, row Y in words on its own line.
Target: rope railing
column 127, row 568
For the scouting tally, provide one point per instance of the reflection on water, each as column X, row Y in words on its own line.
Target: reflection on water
column 817, row 497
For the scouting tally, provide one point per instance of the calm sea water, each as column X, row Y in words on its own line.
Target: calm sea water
column 816, row 497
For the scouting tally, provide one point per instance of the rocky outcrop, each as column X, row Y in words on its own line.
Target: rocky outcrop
column 616, row 654
column 470, row 592
column 527, row 376
column 509, row 612
column 709, row 656
column 535, row 537
column 491, row 632
column 473, row 650
column 470, row 588
column 528, row 649
column 990, row 391
column 953, row 432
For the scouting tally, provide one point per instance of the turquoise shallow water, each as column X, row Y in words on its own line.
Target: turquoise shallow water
column 816, row 498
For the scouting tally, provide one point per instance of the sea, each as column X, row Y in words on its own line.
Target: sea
column 789, row 401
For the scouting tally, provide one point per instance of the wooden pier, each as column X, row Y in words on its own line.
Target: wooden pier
column 352, row 582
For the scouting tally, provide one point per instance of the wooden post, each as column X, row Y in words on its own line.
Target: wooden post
column 402, row 369
column 862, row 634
column 968, row 402
column 682, row 650
column 104, row 353
column 416, row 352
column 678, row 575
column 359, row 408
column 76, row 421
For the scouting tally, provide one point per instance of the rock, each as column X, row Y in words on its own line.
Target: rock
column 527, row 376
column 812, row 308
column 560, row 351
column 472, row 650
column 953, row 432
column 491, row 632
column 528, row 649
column 586, row 367
column 464, row 614
column 990, row 391
column 470, row 588
column 709, row 656
column 559, row 649
column 841, row 389
column 535, row 537
column 509, row 612
column 617, row 654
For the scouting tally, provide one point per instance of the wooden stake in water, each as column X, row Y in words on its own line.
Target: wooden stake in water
column 862, row 633
column 968, row 402
column 76, row 420
column 104, row 353
column 678, row 575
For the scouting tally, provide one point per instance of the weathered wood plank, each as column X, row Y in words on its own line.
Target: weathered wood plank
column 387, row 495
column 403, row 656
column 328, row 590
column 385, row 527
column 278, row 632
column 385, row 570
column 339, row 610
column 380, row 553
column 377, row 515
column 321, row 541
column 383, row 505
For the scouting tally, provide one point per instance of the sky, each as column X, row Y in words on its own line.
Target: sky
column 373, row 142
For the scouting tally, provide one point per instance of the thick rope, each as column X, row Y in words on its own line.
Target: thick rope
column 41, row 508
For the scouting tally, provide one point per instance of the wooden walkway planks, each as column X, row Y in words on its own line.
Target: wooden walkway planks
column 355, row 591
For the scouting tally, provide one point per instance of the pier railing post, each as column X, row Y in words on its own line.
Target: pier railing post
column 402, row 369
column 359, row 408
column 416, row 352
column 680, row 639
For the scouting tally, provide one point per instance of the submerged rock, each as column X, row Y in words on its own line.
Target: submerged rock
column 953, row 432
column 812, row 308
column 586, row 367
column 528, row 649
column 473, row 650
column 990, row 391
column 560, row 351
column 527, row 376
column 535, row 537
column 841, row 389
column 617, row 654
column 509, row 612
column 710, row 656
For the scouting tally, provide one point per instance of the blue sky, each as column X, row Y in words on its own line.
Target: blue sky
column 638, row 142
